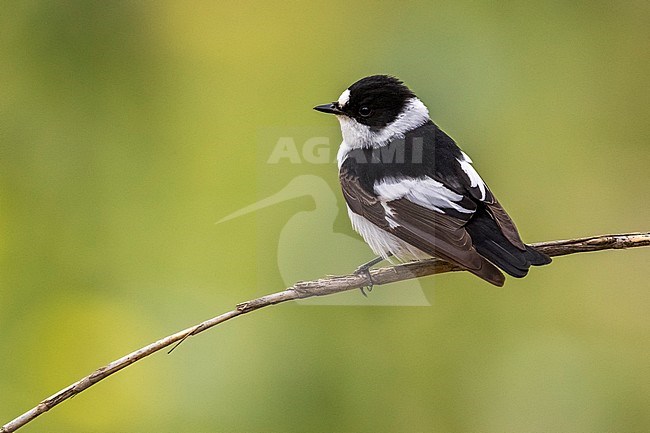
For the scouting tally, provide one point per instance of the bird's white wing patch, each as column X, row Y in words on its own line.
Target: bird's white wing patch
column 423, row 191
column 474, row 178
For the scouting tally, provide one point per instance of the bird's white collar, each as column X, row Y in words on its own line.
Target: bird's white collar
column 357, row 135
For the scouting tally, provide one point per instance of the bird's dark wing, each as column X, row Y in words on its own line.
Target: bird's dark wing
column 493, row 232
column 445, row 162
column 470, row 183
column 504, row 222
column 360, row 200
column 423, row 213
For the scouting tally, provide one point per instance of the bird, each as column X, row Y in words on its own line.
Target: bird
column 412, row 193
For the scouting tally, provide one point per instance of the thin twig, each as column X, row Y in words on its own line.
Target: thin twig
column 320, row 287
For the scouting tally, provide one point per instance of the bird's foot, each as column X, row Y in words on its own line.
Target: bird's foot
column 364, row 270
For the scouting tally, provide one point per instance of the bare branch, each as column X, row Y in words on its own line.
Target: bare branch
column 320, row 287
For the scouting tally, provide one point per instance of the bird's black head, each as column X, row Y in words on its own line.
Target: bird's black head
column 374, row 101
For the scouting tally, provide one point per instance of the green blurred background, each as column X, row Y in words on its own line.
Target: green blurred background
column 128, row 129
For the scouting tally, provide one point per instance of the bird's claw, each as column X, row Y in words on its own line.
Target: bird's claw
column 365, row 271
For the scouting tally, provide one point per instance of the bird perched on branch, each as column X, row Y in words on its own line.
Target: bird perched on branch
column 411, row 193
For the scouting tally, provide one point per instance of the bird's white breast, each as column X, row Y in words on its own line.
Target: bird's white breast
column 383, row 243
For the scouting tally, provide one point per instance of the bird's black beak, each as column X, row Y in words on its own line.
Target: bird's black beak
column 332, row 108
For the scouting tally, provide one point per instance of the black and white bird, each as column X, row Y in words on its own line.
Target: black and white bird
column 411, row 193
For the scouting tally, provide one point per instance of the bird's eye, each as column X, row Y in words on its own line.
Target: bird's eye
column 365, row 111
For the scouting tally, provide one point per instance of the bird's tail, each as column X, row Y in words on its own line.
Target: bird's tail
column 493, row 245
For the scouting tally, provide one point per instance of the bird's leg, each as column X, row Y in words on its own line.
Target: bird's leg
column 365, row 270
